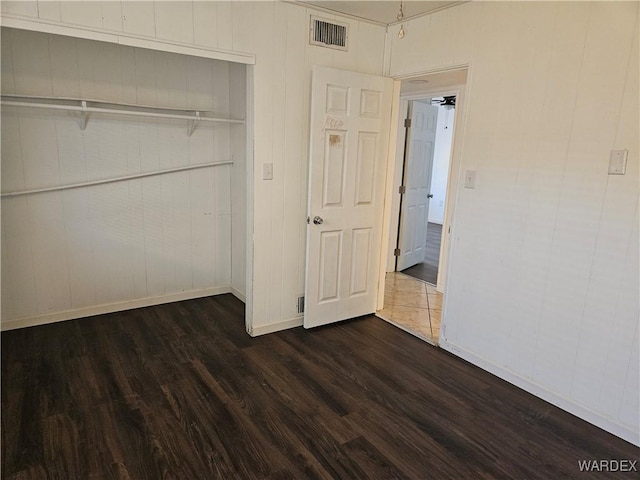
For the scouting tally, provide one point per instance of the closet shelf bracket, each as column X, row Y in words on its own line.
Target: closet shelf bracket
column 84, row 118
column 192, row 124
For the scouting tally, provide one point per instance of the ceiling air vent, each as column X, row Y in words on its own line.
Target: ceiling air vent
column 328, row 34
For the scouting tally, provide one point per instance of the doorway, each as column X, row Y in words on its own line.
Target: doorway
column 430, row 169
column 414, row 291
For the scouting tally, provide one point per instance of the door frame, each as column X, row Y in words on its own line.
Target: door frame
column 250, row 161
column 395, row 159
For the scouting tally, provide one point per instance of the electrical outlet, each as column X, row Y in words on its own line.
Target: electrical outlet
column 618, row 162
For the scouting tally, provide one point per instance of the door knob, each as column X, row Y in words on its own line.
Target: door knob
column 317, row 220
column 430, row 195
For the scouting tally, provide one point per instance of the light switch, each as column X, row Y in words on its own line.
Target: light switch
column 618, row 162
column 267, row 171
column 470, row 179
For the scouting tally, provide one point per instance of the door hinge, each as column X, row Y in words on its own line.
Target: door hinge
column 407, row 123
column 396, row 252
column 402, row 190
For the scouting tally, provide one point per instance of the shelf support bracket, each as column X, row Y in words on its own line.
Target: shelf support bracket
column 85, row 115
column 193, row 124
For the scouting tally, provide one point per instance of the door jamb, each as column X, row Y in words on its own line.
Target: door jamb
column 249, row 125
column 386, row 214
column 405, row 106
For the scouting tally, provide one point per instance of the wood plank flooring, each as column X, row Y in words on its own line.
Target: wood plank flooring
column 428, row 269
column 180, row 391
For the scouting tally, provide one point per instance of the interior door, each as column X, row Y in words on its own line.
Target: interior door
column 421, row 135
column 349, row 132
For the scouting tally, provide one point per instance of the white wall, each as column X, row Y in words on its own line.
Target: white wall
column 441, row 160
column 68, row 251
column 277, row 34
column 282, row 92
column 543, row 280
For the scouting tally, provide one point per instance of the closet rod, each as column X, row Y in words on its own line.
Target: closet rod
column 32, row 102
column 114, row 180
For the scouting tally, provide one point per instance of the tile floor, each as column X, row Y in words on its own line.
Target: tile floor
column 413, row 305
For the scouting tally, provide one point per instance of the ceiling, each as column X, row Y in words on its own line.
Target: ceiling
column 384, row 12
column 434, row 82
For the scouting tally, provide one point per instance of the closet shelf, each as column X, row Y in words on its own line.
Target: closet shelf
column 87, row 106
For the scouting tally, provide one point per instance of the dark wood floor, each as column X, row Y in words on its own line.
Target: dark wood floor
column 428, row 270
column 180, row 391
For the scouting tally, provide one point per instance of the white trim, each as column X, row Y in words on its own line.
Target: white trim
column 318, row 8
column 424, row 73
column 39, row 25
column 276, row 327
column 387, row 212
column 238, row 294
column 313, row 6
column 397, row 163
column 45, row 318
column 433, row 93
column 250, row 161
column 236, row 57
column 568, row 405
column 452, row 188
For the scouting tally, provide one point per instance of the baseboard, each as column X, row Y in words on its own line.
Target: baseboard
column 110, row 308
column 275, row 327
column 559, row 401
column 238, row 294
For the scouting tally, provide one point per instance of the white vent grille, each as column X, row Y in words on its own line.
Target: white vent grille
column 329, row 34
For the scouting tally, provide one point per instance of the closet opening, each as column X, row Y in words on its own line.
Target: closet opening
column 124, row 177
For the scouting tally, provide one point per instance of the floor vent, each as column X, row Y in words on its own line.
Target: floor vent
column 301, row 304
column 329, row 34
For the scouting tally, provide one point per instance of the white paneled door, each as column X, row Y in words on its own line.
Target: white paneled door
column 349, row 131
column 417, row 182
